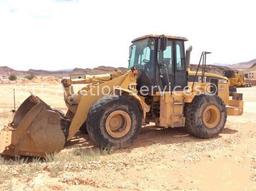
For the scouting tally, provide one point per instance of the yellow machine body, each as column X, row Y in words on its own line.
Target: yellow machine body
column 237, row 80
column 38, row 130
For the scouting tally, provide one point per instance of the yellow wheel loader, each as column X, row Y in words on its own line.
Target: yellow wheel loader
column 113, row 107
column 236, row 80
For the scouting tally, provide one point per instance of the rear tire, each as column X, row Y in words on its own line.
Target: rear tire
column 114, row 121
column 205, row 116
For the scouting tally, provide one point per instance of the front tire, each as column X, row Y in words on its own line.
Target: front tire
column 114, row 121
column 205, row 116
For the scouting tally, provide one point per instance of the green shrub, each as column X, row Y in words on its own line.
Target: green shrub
column 30, row 76
column 12, row 77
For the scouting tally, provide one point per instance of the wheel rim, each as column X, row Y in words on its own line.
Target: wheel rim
column 211, row 116
column 118, row 124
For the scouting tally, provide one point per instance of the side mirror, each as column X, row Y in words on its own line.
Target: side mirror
column 130, row 51
column 188, row 53
column 162, row 43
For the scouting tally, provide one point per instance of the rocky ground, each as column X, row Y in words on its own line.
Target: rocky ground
column 158, row 160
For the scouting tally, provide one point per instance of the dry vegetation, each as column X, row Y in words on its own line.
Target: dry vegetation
column 158, row 160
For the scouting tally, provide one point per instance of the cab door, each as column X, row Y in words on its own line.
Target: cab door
column 180, row 72
column 173, row 73
column 165, row 62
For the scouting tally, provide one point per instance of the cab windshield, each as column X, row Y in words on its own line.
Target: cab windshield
column 140, row 53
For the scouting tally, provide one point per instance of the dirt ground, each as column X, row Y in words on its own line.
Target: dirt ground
column 158, row 160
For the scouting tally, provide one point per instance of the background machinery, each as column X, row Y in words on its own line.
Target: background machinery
column 236, row 80
column 113, row 107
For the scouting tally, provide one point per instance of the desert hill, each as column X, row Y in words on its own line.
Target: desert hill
column 252, row 68
column 211, row 68
column 244, row 65
column 5, row 71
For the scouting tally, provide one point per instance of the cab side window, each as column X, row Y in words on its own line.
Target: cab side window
column 167, row 57
column 145, row 57
column 180, row 57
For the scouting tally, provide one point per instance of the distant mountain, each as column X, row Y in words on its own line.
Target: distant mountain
column 252, row 68
column 217, row 69
column 48, row 73
column 97, row 70
column 220, row 64
column 6, row 71
column 243, row 65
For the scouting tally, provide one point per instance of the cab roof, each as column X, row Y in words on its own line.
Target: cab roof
column 158, row 36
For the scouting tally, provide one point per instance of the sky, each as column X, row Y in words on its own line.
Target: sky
column 64, row 34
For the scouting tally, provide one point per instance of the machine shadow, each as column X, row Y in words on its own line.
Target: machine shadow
column 147, row 137
column 229, row 131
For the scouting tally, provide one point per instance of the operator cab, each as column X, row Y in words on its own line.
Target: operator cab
column 161, row 62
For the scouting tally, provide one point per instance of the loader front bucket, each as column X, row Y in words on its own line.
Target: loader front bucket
column 36, row 130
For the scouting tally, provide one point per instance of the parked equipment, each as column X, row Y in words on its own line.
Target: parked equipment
column 113, row 107
column 236, row 80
